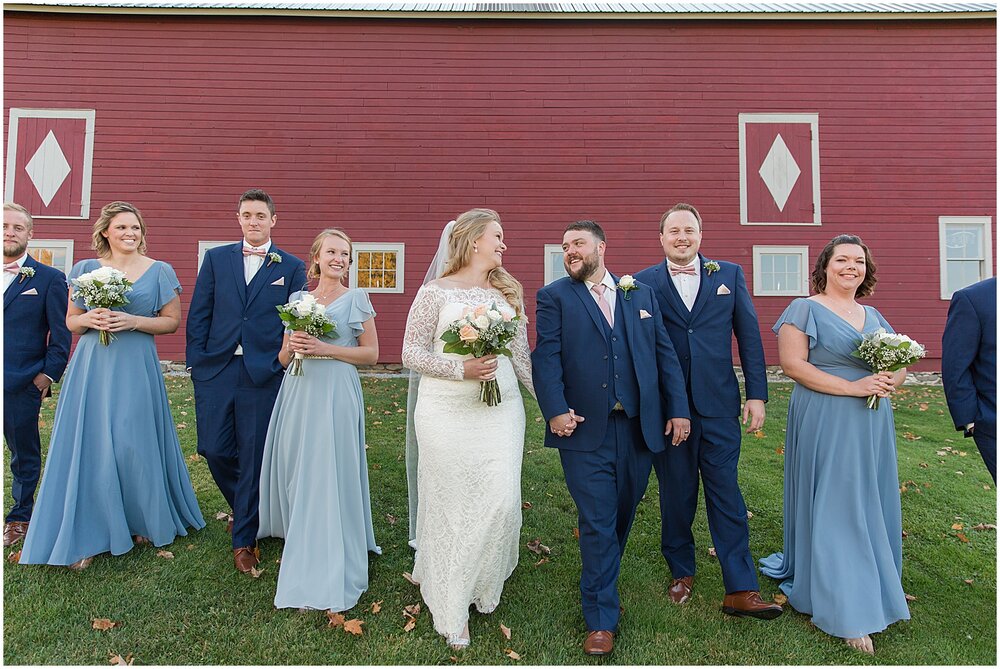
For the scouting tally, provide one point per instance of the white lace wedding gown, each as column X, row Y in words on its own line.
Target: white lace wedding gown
column 469, row 469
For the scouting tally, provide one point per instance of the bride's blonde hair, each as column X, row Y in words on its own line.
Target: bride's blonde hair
column 470, row 226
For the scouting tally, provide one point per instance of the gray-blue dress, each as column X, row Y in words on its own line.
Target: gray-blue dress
column 314, row 475
column 114, row 467
column 843, row 547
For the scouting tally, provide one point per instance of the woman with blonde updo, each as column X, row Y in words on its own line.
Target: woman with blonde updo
column 314, row 473
column 468, row 475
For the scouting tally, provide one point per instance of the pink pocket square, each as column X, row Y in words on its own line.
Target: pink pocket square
column 723, row 290
column 279, row 282
column 30, row 291
column 644, row 314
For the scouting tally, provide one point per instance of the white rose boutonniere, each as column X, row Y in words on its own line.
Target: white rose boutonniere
column 273, row 257
column 25, row 273
column 711, row 266
column 627, row 284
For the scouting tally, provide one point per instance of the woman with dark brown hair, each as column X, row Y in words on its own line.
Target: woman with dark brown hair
column 843, row 555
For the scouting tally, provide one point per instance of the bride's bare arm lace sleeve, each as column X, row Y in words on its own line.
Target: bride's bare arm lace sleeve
column 418, row 339
column 522, row 357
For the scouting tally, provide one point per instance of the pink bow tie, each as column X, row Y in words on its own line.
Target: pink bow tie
column 687, row 269
column 12, row 268
column 252, row 251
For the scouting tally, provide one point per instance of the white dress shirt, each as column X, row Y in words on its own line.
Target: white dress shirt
column 251, row 264
column 8, row 278
column 609, row 293
column 687, row 284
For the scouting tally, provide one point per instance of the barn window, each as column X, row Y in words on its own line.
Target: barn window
column 56, row 253
column 377, row 268
column 779, row 169
column 781, row 270
column 966, row 251
column 554, row 268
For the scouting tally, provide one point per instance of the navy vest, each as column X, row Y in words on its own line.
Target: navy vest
column 622, row 382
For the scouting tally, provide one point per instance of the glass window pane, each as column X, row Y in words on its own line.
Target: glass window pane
column 964, row 241
column 962, row 273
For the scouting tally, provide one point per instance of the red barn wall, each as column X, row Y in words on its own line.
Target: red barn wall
column 389, row 128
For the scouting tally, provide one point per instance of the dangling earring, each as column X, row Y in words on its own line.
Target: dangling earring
column 475, row 249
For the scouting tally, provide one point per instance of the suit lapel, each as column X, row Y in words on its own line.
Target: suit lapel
column 262, row 277
column 706, row 289
column 17, row 286
column 666, row 285
column 580, row 288
column 236, row 263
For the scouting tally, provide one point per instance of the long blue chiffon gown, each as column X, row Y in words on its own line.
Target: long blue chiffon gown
column 843, row 548
column 115, row 467
column 314, row 475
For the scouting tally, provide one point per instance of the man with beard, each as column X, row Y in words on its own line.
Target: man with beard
column 35, row 351
column 601, row 364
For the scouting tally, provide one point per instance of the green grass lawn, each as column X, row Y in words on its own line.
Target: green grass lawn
column 196, row 609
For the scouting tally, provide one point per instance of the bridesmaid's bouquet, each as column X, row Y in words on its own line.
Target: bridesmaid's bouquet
column 103, row 287
column 482, row 330
column 887, row 352
column 305, row 315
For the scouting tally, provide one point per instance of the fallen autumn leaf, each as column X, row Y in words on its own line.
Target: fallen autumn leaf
column 103, row 624
column 334, row 619
column 353, row 626
column 377, row 606
column 166, row 555
column 505, row 630
column 511, row 654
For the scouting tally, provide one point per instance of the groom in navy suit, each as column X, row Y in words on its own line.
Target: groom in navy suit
column 606, row 378
column 704, row 303
column 234, row 335
column 969, row 366
column 35, row 350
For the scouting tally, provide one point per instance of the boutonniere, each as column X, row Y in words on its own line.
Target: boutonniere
column 273, row 257
column 711, row 266
column 627, row 284
column 26, row 273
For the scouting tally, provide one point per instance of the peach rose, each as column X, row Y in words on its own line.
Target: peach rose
column 468, row 333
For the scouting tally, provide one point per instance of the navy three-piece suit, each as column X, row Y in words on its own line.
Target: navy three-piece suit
column 583, row 363
column 35, row 341
column 969, row 365
column 234, row 394
column 703, row 340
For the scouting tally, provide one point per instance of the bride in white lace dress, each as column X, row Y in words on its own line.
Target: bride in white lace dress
column 468, row 515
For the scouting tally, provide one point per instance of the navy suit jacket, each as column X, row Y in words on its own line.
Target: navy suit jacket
column 225, row 312
column 703, row 336
column 969, row 357
column 36, row 338
column 568, row 370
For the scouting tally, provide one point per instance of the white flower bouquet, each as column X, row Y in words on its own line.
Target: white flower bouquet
column 104, row 287
column 887, row 352
column 482, row 330
column 305, row 315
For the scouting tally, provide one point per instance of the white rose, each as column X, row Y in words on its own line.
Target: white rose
column 627, row 282
column 482, row 322
column 494, row 315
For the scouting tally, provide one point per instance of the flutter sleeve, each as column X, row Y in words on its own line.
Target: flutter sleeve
column 799, row 315
column 168, row 286
column 522, row 355
column 79, row 268
column 418, row 338
column 881, row 321
column 361, row 312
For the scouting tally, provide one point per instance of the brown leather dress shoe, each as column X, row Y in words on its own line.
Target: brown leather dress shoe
column 680, row 589
column 599, row 642
column 13, row 532
column 246, row 558
column 749, row 603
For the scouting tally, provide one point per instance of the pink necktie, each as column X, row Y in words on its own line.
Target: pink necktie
column 11, row 268
column 687, row 269
column 603, row 303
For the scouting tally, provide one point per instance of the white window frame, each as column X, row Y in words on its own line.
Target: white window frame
column 398, row 248
column 88, row 115
column 986, row 270
column 813, row 121
column 204, row 246
column 64, row 244
column 549, row 250
column 758, row 274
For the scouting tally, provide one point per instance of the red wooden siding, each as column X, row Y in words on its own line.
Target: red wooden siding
column 389, row 128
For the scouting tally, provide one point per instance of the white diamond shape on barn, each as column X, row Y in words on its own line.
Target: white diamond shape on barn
column 779, row 172
column 48, row 168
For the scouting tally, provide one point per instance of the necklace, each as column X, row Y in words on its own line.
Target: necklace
column 323, row 296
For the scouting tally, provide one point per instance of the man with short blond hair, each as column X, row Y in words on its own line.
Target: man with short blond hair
column 35, row 351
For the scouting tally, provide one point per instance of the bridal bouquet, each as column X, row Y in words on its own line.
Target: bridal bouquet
column 887, row 352
column 305, row 315
column 482, row 330
column 103, row 287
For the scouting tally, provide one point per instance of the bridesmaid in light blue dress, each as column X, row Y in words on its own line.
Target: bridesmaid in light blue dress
column 314, row 475
column 115, row 473
column 843, row 554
